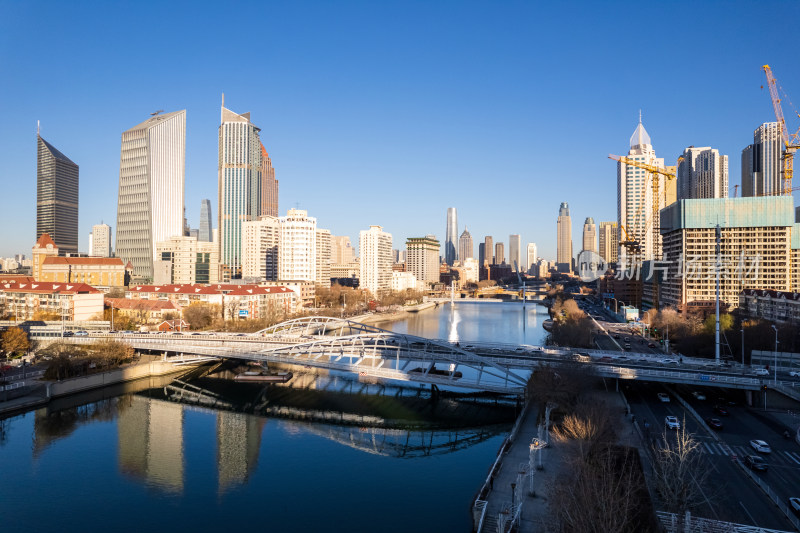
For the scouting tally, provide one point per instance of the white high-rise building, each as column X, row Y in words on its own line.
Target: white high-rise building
column 375, row 250
column 531, row 256
column 422, row 259
column 151, row 189
column 589, row 235
column 324, row 257
column 515, row 253
column 702, row 173
column 260, row 252
column 635, row 197
column 297, row 257
column 761, row 162
column 469, row 267
column 100, row 240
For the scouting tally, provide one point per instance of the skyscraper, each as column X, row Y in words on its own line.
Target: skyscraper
column 422, row 258
column 375, row 257
column 531, row 256
column 609, row 242
column 341, row 250
column 761, row 162
column 56, row 196
column 564, row 239
column 260, row 242
column 206, row 226
column 451, row 236
column 589, row 235
column 489, row 250
column 702, row 173
column 515, row 253
column 499, row 254
column 269, row 186
column 101, row 241
column 239, row 183
column 151, row 188
column 635, row 197
column 297, row 250
column 323, row 257
column 465, row 246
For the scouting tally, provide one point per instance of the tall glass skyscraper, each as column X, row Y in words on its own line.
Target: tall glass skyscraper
column 206, row 226
column 56, row 196
column 151, row 186
column 451, row 237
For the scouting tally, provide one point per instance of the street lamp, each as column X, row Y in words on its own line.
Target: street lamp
column 776, row 355
column 742, row 330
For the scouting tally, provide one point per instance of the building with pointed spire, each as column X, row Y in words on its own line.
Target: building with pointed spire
column 451, row 236
column 151, row 189
column 589, row 235
column 564, row 239
column 465, row 246
column 269, row 186
column 56, row 196
column 206, row 231
column 635, row 197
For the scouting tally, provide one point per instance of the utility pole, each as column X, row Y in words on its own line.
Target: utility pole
column 716, row 334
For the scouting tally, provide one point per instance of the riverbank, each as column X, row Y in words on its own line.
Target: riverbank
column 377, row 318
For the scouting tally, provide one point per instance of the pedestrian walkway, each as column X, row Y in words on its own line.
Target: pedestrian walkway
column 778, row 457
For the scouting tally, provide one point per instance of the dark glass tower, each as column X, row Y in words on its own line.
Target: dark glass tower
column 56, row 197
column 451, row 237
column 205, row 233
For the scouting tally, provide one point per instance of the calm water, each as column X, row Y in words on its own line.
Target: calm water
column 136, row 461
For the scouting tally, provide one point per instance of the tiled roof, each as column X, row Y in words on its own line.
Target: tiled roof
column 236, row 290
column 106, row 261
column 47, row 287
column 771, row 293
column 15, row 278
column 44, row 240
column 144, row 305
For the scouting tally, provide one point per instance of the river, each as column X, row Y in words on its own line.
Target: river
column 138, row 461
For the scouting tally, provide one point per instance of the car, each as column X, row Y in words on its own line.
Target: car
column 605, row 359
column 520, row 349
column 616, row 335
column 669, row 361
column 698, row 395
column 82, row 333
column 651, row 345
column 794, row 374
column 760, row 446
column 720, row 410
column 761, row 372
column 754, row 462
column 627, row 339
column 672, row 422
column 663, row 397
column 627, row 346
column 714, row 423
column 68, row 334
column 794, row 504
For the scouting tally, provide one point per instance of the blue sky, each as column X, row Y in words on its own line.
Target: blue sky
column 390, row 112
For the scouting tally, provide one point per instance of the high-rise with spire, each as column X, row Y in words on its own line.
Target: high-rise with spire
column 239, row 183
column 269, row 186
column 564, row 239
column 56, row 196
column 635, row 198
column 465, row 246
column 589, row 235
column 205, row 233
column 451, row 237
column 151, row 189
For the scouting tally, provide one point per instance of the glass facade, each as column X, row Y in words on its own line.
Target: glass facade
column 56, row 197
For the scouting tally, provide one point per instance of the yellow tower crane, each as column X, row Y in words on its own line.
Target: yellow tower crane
column 790, row 142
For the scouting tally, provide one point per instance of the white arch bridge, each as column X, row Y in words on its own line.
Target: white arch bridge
column 343, row 345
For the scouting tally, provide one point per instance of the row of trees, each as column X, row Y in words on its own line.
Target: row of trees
column 571, row 326
column 71, row 360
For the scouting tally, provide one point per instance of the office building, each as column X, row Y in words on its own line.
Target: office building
column 323, row 257
column 499, row 254
column 151, row 189
column 206, row 230
column 239, row 183
column 702, row 173
column 100, row 239
column 341, row 250
column 469, row 271
column 531, row 257
column 609, row 242
column 635, row 200
column 515, row 253
column 465, row 246
column 757, row 248
column 489, row 250
column 761, row 162
column 422, row 258
column 589, row 235
column 269, row 186
column 297, row 251
column 481, row 254
column 564, row 239
column 375, row 251
column 186, row 260
column 56, row 196
column 260, row 242
column 451, row 236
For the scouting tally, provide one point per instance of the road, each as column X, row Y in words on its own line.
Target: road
column 729, row 495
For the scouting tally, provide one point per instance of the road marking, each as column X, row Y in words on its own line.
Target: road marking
column 753, row 520
column 791, row 456
column 709, row 448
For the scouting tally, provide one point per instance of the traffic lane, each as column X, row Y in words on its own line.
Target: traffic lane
column 727, row 496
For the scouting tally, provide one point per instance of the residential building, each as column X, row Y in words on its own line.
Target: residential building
column 56, row 196
column 422, row 258
column 341, row 250
column 239, row 183
column 466, row 249
column 756, row 248
column 761, row 162
column 635, row 200
column 186, row 260
column 702, row 173
column 102, row 272
column 488, row 250
column 151, row 189
column 323, row 258
column 375, row 250
column 269, row 186
column 470, row 270
column 70, row 301
column 402, row 281
column 101, row 241
column 515, row 253
column 306, row 291
column 297, row 251
column 775, row 306
column 205, row 232
column 499, row 254
column 589, row 235
column 345, row 270
column 609, row 242
column 260, row 248
column 564, row 239
column 451, row 236
column 148, row 310
column 531, row 257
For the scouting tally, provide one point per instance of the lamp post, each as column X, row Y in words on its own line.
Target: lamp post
column 775, row 370
column 742, row 330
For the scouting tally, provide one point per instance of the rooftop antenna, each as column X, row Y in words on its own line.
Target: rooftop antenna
column 37, row 128
column 640, row 116
column 154, row 113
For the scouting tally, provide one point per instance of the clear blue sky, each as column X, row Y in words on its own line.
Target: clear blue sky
column 388, row 113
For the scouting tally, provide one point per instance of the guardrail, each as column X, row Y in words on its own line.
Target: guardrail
column 772, row 496
column 33, row 374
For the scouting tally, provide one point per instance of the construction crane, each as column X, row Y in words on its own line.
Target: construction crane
column 790, row 142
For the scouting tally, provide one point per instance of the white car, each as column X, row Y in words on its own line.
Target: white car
column 761, row 372
column 699, row 395
column 669, row 361
column 794, row 503
column 672, row 422
column 664, row 397
column 760, row 446
column 794, row 374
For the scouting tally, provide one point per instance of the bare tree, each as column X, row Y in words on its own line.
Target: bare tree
column 679, row 473
column 590, row 425
column 15, row 341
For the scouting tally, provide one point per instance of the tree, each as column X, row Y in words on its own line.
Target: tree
column 112, row 353
column 15, row 341
column 198, row 315
column 725, row 323
column 679, row 473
